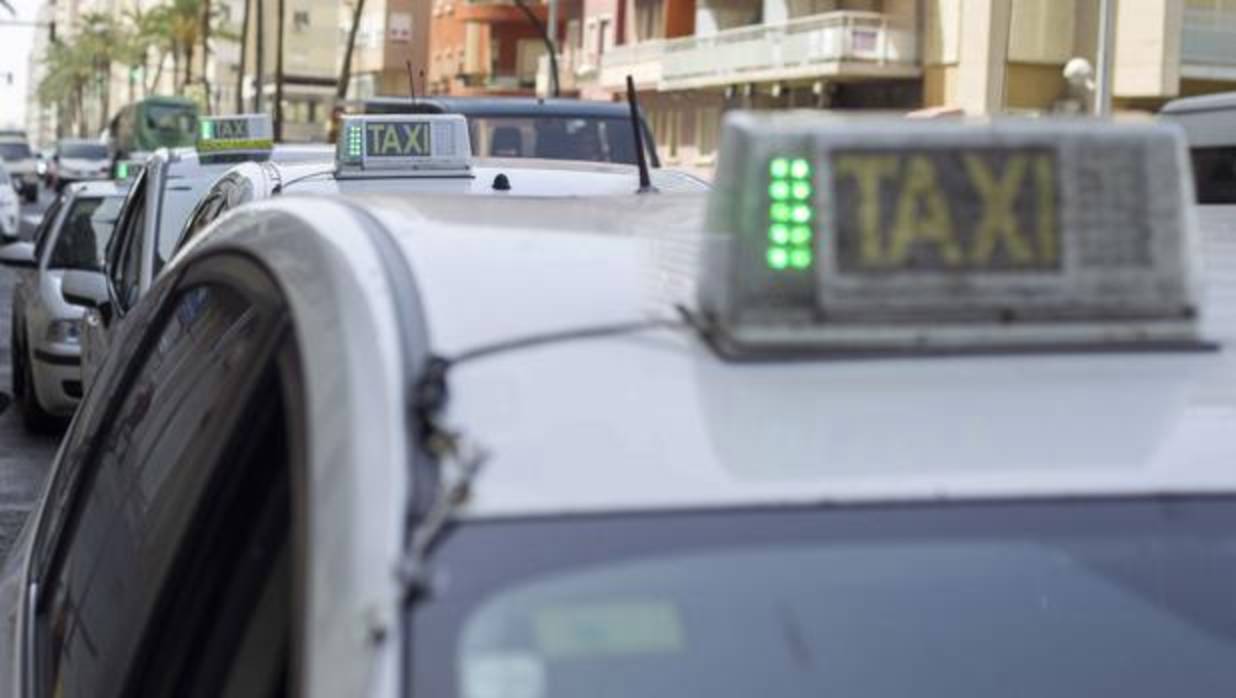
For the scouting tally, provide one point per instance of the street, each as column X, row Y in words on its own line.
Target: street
column 23, row 459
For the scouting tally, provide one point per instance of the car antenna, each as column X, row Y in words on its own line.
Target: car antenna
column 645, row 178
column 411, row 82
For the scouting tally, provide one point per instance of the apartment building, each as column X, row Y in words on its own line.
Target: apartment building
column 694, row 59
column 485, row 47
column 393, row 34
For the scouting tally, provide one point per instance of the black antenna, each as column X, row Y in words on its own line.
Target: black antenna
column 424, row 87
column 645, row 178
column 411, row 82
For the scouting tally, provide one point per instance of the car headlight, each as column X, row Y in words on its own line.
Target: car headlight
column 64, row 331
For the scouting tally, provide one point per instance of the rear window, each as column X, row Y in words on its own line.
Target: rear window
column 1214, row 174
column 15, row 151
column 84, row 235
column 554, row 138
column 86, row 151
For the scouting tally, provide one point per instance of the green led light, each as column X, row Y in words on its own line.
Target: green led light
column 778, row 258
column 779, row 233
column 779, row 212
column 122, row 170
column 800, row 169
column 779, row 167
column 799, row 235
column 801, row 191
column 801, row 213
column 779, row 190
column 208, row 129
column 800, row 258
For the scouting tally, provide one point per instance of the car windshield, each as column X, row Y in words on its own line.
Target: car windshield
column 83, row 236
column 1120, row 598
column 85, row 151
column 553, row 138
column 170, row 117
column 15, row 150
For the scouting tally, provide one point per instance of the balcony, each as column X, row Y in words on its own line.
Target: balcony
column 1208, row 44
column 835, row 44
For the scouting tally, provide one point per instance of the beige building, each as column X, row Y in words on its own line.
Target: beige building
column 694, row 59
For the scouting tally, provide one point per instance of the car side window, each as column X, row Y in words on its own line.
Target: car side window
column 206, row 213
column 141, row 489
column 45, row 225
column 127, row 274
column 129, row 225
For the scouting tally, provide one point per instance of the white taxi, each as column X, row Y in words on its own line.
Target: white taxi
column 905, row 409
column 162, row 194
column 396, row 155
column 44, row 348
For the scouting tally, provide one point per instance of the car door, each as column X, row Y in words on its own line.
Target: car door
column 165, row 535
column 97, row 321
column 25, row 291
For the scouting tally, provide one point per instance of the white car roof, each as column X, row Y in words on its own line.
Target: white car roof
column 655, row 419
column 527, row 177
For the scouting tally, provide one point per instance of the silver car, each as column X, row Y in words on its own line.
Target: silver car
column 22, row 166
column 10, row 208
column 45, row 348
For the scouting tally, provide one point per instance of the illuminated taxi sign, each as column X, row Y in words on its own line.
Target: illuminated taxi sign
column 403, row 145
column 240, row 134
column 872, row 235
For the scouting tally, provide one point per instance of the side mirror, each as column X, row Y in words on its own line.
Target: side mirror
column 86, row 288
column 19, row 255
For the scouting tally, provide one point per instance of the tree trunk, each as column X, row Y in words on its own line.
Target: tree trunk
column 188, row 64
column 210, row 107
column 345, row 73
column 259, row 59
column 106, row 114
column 279, row 20
column 176, row 86
column 244, row 50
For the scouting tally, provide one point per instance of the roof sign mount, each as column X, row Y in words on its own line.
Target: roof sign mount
column 240, row 136
column 410, row 145
column 877, row 236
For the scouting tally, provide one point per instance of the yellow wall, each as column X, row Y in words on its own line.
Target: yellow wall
column 1033, row 86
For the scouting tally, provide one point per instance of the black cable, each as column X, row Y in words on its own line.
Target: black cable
column 564, row 336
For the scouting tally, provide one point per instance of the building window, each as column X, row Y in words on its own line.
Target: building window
column 300, row 20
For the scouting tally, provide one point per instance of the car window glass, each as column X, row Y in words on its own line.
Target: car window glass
column 78, row 246
column 179, row 198
column 131, row 511
column 206, row 213
column 40, row 233
column 133, row 207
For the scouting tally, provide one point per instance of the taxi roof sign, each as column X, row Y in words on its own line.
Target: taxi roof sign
column 403, row 145
column 239, row 134
column 889, row 235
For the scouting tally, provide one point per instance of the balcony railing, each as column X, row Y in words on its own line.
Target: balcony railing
column 834, row 43
column 1208, row 38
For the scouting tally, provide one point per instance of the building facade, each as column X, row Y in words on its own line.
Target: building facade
column 486, row 47
column 692, row 60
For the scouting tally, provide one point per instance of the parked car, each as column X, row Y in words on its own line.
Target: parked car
column 45, row 346
column 22, row 165
column 10, row 208
column 78, row 160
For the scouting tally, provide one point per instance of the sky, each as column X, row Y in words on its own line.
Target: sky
column 15, row 45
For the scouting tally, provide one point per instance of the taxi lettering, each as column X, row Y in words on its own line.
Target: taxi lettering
column 978, row 210
column 231, row 129
column 394, row 139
